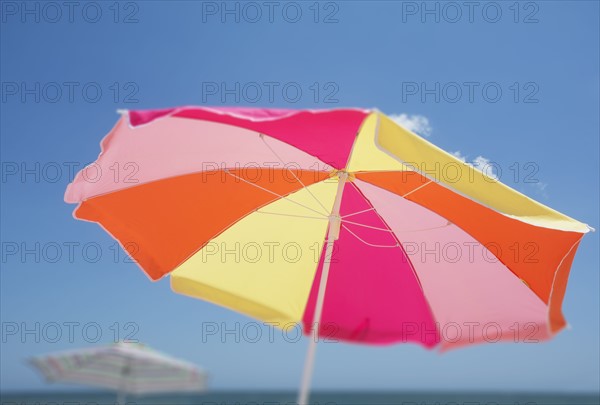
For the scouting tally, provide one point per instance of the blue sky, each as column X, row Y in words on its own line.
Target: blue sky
column 367, row 54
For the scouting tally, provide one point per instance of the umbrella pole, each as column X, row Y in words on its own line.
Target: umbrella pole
column 332, row 235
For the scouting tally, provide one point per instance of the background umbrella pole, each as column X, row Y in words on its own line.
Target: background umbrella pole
column 121, row 397
column 332, row 235
column 125, row 374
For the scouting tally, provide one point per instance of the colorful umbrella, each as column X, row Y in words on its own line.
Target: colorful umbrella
column 336, row 218
column 126, row 367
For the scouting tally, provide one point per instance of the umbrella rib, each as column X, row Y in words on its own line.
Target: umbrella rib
column 418, row 188
column 368, row 226
column 262, row 137
column 359, row 212
column 274, row 193
column 367, row 243
column 291, row 215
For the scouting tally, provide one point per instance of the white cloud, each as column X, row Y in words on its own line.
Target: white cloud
column 540, row 188
column 488, row 168
column 485, row 166
column 480, row 163
column 459, row 156
column 418, row 124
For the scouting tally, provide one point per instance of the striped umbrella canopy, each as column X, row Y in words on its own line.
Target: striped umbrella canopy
column 125, row 367
column 340, row 220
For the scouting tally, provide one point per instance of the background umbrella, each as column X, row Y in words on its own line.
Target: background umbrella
column 399, row 241
column 128, row 368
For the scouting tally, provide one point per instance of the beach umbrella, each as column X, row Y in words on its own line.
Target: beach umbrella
column 125, row 367
column 340, row 220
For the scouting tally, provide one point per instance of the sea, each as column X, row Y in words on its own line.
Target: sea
column 317, row 398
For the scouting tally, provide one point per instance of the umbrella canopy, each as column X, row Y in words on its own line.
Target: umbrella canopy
column 128, row 368
column 339, row 217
